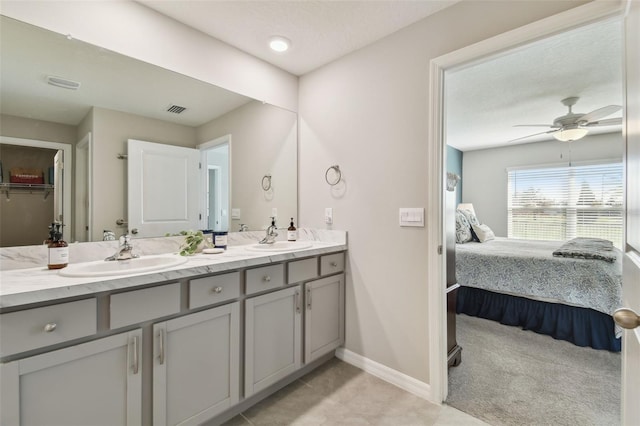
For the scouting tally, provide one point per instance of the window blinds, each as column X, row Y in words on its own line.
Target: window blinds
column 560, row 203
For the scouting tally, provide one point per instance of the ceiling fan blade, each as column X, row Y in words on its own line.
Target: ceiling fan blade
column 599, row 113
column 606, row 122
column 530, row 136
column 533, row 125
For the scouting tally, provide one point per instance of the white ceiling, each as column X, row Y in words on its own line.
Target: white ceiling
column 484, row 101
column 321, row 31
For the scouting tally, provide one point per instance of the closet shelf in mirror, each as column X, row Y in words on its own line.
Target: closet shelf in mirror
column 31, row 187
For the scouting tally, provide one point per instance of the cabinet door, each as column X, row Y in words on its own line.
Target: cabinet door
column 196, row 366
column 324, row 316
column 94, row 383
column 272, row 338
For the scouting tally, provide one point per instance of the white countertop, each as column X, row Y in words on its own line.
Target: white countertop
column 39, row 284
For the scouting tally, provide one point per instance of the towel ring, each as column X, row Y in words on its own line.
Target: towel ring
column 266, row 182
column 333, row 175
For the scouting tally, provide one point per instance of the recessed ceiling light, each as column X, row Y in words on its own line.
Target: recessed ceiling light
column 279, row 44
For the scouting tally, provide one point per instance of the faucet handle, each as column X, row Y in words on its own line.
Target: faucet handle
column 125, row 239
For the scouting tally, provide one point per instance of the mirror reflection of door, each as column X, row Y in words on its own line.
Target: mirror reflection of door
column 30, row 203
column 216, row 178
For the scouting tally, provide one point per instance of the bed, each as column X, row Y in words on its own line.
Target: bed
column 521, row 283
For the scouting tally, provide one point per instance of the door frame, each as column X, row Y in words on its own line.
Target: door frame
column 204, row 147
column 478, row 52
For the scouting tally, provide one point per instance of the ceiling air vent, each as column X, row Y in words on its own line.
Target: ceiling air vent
column 176, row 109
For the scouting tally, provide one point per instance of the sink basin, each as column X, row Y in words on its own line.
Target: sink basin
column 280, row 246
column 103, row 268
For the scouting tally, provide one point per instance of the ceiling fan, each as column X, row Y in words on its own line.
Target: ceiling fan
column 573, row 126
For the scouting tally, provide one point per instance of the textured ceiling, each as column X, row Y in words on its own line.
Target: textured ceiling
column 525, row 86
column 320, row 31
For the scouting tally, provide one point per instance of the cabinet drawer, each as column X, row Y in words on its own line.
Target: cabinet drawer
column 209, row 290
column 265, row 278
column 141, row 305
column 331, row 263
column 302, row 270
column 34, row 328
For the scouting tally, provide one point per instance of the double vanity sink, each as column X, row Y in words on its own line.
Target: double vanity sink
column 167, row 339
column 159, row 262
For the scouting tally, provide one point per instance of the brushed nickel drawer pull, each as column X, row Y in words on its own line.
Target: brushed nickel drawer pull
column 266, row 278
column 136, row 363
column 217, row 290
column 50, row 327
column 161, row 343
column 334, row 264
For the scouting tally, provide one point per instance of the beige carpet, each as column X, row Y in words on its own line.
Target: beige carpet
column 509, row 376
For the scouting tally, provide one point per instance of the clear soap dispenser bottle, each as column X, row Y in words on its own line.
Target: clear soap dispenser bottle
column 292, row 232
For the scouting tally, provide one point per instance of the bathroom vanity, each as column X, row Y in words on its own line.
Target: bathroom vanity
column 191, row 344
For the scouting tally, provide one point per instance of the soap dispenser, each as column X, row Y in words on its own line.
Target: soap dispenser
column 58, row 248
column 292, row 232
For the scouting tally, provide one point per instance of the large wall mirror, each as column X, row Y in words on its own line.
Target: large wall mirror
column 55, row 89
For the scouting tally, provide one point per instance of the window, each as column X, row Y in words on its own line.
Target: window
column 560, row 203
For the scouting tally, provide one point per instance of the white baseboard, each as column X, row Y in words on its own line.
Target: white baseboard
column 401, row 380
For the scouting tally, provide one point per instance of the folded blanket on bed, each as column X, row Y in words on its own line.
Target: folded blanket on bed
column 587, row 248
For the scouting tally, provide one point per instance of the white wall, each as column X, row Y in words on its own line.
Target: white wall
column 134, row 30
column 367, row 112
column 485, row 175
column 266, row 146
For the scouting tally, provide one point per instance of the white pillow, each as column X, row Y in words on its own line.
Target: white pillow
column 483, row 232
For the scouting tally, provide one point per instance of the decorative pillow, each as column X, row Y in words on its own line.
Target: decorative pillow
column 483, row 232
column 473, row 220
column 463, row 229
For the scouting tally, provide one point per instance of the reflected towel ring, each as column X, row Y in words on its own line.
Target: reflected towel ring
column 333, row 175
column 266, row 182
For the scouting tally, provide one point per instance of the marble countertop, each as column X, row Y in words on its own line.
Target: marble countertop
column 39, row 284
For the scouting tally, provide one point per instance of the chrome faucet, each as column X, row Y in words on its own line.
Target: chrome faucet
column 243, row 227
column 125, row 251
column 270, row 238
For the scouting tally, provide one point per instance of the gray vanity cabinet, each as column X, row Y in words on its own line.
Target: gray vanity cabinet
column 324, row 316
column 273, row 338
column 196, row 366
column 100, row 380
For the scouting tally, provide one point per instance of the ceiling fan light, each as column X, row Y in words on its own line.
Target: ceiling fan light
column 569, row 134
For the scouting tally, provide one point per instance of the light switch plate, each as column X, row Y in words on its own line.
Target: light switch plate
column 412, row 216
column 235, row 213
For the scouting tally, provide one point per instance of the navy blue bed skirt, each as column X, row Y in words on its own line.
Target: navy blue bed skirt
column 580, row 326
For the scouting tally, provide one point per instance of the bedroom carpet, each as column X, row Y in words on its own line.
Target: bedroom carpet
column 509, row 376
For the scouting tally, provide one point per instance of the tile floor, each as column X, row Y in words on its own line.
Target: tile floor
column 338, row 393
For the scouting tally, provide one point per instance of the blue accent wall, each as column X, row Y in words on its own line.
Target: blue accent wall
column 454, row 165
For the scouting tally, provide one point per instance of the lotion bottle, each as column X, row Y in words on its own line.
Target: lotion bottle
column 58, row 249
column 292, row 232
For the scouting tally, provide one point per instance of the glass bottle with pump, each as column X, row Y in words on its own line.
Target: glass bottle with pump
column 58, row 248
column 292, row 232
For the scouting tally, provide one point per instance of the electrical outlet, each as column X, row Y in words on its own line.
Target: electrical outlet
column 328, row 215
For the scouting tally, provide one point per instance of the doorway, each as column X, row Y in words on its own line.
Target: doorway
column 216, row 181
column 437, row 307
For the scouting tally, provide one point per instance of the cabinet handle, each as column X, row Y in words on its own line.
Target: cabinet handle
column 136, row 363
column 50, row 327
column 297, row 301
column 161, row 343
column 266, row 278
column 334, row 264
column 309, row 298
column 217, row 290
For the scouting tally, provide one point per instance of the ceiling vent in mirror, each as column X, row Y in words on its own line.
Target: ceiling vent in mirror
column 63, row 82
column 176, row 109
